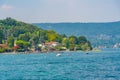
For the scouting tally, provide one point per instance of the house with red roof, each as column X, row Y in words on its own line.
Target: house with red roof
column 52, row 44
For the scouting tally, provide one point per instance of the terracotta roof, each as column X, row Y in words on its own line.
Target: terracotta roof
column 49, row 43
column 3, row 45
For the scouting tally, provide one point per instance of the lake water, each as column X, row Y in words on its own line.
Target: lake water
column 104, row 65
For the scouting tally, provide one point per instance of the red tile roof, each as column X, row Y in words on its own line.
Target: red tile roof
column 3, row 45
column 49, row 43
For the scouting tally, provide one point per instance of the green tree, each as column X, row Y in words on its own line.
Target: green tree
column 73, row 39
column 82, row 40
column 9, row 21
column 1, row 36
column 39, row 36
column 51, row 35
column 2, row 50
column 10, row 41
column 23, row 44
column 65, row 42
column 25, row 36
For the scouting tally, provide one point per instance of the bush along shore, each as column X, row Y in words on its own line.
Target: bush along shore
column 17, row 36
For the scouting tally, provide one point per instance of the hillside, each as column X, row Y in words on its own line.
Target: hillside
column 20, row 30
column 19, row 36
column 100, row 34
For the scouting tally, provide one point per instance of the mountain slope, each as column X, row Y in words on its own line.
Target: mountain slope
column 100, row 34
column 82, row 28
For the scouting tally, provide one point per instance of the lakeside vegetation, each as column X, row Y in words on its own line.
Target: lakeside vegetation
column 17, row 36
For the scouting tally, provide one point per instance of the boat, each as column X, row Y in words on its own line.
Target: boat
column 58, row 55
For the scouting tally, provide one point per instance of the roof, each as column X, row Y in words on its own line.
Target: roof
column 49, row 43
column 3, row 45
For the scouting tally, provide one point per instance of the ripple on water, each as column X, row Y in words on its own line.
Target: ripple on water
column 76, row 66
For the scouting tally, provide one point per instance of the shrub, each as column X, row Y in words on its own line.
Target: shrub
column 2, row 50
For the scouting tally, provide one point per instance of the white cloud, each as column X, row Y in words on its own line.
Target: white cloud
column 6, row 7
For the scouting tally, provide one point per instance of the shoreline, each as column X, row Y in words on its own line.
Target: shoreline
column 39, row 52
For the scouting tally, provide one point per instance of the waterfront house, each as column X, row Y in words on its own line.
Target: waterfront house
column 49, row 46
column 52, row 44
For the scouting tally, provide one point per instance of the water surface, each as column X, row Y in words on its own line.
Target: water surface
column 104, row 65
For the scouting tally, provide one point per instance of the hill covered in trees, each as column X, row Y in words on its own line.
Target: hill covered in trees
column 19, row 36
column 105, row 34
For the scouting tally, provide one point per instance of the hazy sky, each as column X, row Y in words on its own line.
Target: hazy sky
column 61, row 10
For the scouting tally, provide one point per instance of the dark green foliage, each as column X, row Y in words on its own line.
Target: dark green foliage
column 82, row 39
column 9, row 22
column 10, row 41
column 16, row 28
column 1, row 36
column 25, row 37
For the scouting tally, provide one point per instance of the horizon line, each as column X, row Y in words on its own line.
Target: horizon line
column 66, row 21
column 77, row 22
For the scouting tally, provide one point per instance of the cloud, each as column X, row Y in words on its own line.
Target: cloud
column 6, row 7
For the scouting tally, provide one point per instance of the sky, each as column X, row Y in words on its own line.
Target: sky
column 38, row 11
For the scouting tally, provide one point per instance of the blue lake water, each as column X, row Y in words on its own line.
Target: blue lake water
column 104, row 65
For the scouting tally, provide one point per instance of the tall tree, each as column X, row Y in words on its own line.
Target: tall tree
column 82, row 40
column 73, row 39
column 1, row 36
column 10, row 41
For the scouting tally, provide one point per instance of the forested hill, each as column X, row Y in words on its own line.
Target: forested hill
column 13, row 27
column 83, row 28
column 28, row 37
column 23, row 31
column 100, row 34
